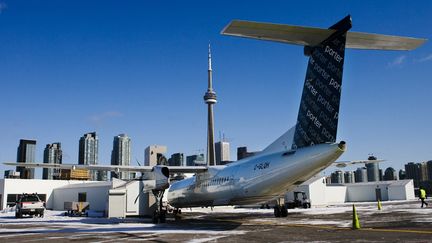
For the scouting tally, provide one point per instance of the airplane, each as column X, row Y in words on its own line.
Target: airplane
column 302, row 152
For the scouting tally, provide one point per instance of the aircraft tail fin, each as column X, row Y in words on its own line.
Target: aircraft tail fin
column 319, row 106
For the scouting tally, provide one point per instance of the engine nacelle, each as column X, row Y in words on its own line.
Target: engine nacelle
column 156, row 179
column 161, row 177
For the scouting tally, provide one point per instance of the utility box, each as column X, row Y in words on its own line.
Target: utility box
column 76, row 208
column 117, row 203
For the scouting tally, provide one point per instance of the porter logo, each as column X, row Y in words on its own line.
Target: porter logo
column 319, row 107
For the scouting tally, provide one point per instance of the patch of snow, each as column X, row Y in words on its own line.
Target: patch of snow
column 205, row 239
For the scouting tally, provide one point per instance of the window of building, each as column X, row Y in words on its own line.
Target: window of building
column 82, row 197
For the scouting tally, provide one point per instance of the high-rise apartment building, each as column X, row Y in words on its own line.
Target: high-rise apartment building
column 429, row 169
column 26, row 153
column 88, row 153
column 390, row 174
column 416, row 171
column 337, row 177
column 120, row 155
column 176, row 159
column 372, row 170
column 195, row 160
column 402, row 174
column 423, row 171
column 52, row 155
column 222, row 153
column 349, row 177
column 242, row 153
column 361, row 175
column 154, row 155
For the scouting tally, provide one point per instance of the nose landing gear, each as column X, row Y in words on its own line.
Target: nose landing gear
column 280, row 210
column 159, row 215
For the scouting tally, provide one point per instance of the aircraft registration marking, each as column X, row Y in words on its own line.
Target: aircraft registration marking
column 262, row 166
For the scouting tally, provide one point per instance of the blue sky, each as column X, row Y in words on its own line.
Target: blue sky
column 140, row 67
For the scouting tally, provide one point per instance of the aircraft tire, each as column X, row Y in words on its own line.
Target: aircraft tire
column 277, row 211
column 283, row 211
column 155, row 218
column 162, row 217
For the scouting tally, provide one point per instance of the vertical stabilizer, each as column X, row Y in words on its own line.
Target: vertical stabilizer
column 319, row 107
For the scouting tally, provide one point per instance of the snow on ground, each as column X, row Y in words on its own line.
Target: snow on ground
column 55, row 221
column 363, row 207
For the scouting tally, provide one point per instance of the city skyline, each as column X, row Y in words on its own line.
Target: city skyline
column 117, row 69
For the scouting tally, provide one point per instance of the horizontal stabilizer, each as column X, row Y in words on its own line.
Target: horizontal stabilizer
column 310, row 36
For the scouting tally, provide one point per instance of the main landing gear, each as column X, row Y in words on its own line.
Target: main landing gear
column 177, row 213
column 280, row 210
column 159, row 215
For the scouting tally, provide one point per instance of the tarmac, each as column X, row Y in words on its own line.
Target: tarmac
column 397, row 221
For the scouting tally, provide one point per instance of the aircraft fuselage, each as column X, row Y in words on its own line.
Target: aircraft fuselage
column 257, row 179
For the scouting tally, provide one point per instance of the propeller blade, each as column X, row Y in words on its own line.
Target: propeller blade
column 136, row 199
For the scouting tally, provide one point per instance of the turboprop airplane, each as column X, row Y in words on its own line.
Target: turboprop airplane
column 303, row 151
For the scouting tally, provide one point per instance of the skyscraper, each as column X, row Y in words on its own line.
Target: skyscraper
column 210, row 100
column 52, row 155
column 154, row 155
column 176, row 159
column 402, row 174
column 361, row 175
column 222, row 152
column 390, row 174
column 429, row 169
column 120, row 155
column 372, row 170
column 26, row 153
column 196, row 159
column 88, row 153
column 337, row 177
column 417, row 172
column 243, row 153
column 423, row 171
column 349, row 177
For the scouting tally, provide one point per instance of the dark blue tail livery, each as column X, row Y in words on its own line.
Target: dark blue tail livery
column 319, row 107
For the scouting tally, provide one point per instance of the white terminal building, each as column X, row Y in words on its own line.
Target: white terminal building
column 322, row 194
column 119, row 198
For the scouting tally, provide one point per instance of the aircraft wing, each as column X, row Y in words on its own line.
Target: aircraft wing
column 116, row 168
column 310, row 36
column 342, row 164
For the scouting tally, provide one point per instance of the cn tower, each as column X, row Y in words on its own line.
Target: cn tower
column 210, row 100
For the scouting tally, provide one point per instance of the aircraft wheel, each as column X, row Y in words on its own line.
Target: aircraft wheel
column 277, row 211
column 283, row 211
column 162, row 217
column 155, row 218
